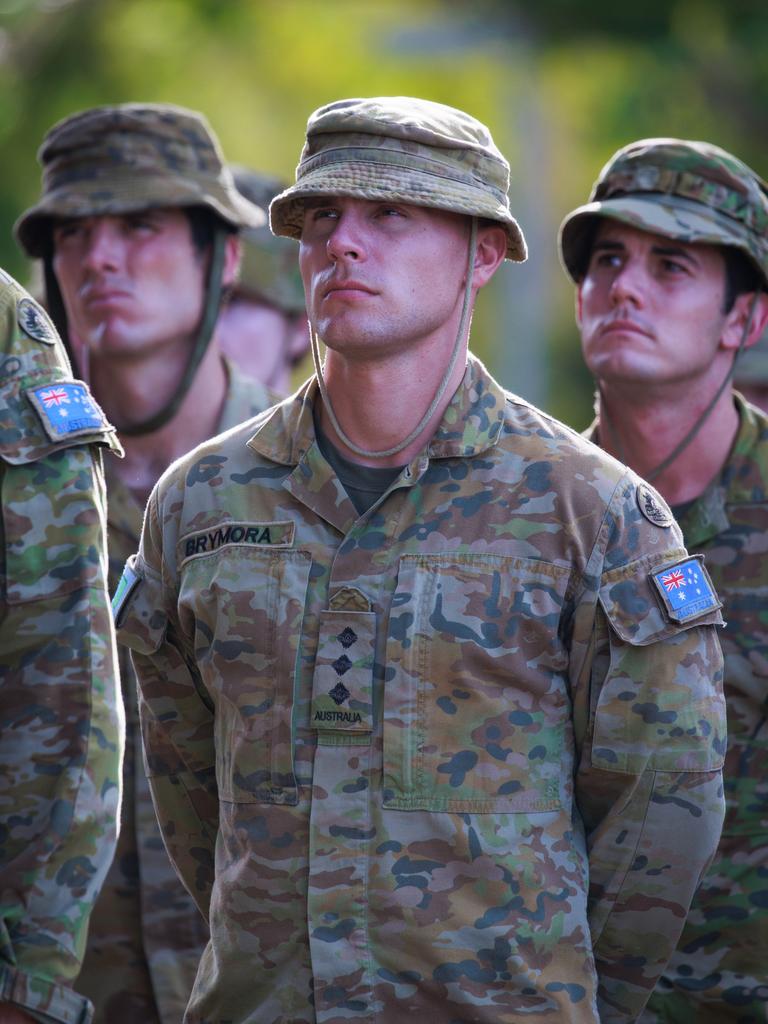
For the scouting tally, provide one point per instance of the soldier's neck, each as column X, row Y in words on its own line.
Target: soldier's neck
column 378, row 403
column 643, row 429
column 147, row 456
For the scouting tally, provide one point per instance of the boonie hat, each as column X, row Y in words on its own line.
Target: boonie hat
column 689, row 191
column 404, row 150
column 133, row 156
column 269, row 268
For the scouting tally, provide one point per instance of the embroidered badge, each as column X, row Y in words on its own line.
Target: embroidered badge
column 685, row 589
column 35, row 322
column 67, row 409
column 347, row 637
column 339, row 693
column 655, row 511
column 202, row 542
column 128, row 583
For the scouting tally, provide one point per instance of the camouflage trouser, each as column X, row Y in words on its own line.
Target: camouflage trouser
column 719, row 971
column 146, row 935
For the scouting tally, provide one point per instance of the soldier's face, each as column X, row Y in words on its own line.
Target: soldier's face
column 650, row 308
column 381, row 275
column 262, row 340
column 129, row 282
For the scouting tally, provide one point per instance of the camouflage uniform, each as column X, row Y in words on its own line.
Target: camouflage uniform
column 146, row 934
column 719, row 970
column 696, row 192
column 144, row 913
column 451, row 756
column 61, row 728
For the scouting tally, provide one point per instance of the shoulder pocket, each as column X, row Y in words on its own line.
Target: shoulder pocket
column 34, row 411
column 659, row 704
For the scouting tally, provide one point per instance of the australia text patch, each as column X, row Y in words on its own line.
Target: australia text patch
column 67, row 409
column 686, row 589
column 203, row 542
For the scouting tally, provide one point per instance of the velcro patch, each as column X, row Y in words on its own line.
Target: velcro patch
column 34, row 321
column 653, row 507
column 67, row 409
column 203, row 542
column 128, row 583
column 685, row 589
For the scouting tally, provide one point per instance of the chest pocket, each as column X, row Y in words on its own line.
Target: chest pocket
column 475, row 695
column 244, row 608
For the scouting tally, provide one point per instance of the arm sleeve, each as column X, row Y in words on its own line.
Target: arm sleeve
column 176, row 717
column 61, row 727
column 651, row 737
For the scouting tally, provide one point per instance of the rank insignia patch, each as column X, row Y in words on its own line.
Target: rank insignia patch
column 34, row 321
column 652, row 507
column 67, row 409
column 686, row 590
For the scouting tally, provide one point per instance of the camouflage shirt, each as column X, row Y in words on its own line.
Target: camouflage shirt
column 147, row 935
column 719, row 971
column 61, row 726
column 448, row 758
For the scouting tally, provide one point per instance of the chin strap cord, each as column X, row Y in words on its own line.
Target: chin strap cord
column 460, row 335
column 682, row 445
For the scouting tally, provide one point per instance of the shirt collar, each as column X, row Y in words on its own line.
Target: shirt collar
column 471, row 424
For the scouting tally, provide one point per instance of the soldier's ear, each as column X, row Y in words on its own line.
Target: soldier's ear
column 577, row 302
column 736, row 320
column 490, row 253
column 233, row 252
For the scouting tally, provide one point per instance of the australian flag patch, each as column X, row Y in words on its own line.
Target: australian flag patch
column 686, row 589
column 67, row 409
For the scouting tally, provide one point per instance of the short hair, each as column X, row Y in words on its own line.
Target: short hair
column 203, row 224
column 741, row 276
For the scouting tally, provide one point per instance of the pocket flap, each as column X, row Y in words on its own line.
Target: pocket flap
column 40, row 415
column 630, row 599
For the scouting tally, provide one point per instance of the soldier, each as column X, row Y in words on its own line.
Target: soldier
column 425, row 731
column 61, row 724
column 263, row 323
column 670, row 259
column 137, row 227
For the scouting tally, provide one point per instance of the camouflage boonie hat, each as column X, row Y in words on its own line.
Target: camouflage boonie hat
column 134, row 156
column 404, row 150
column 269, row 270
column 689, row 191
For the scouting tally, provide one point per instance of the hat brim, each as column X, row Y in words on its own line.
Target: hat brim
column 83, row 199
column 377, row 181
column 681, row 219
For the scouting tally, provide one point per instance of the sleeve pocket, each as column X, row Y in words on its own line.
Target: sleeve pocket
column 660, row 705
column 140, row 620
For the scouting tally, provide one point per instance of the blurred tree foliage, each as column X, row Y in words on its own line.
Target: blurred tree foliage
column 561, row 86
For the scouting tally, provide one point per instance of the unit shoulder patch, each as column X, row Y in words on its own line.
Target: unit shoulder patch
column 35, row 322
column 67, row 409
column 128, row 583
column 203, row 542
column 685, row 589
column 653, row 507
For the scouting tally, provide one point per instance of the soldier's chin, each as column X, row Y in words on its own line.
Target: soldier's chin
column 98, row 338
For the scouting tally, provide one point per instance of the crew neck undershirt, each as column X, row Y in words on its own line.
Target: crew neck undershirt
column 364, row 484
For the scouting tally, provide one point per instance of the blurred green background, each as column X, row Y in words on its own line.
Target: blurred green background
column 561, row 85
